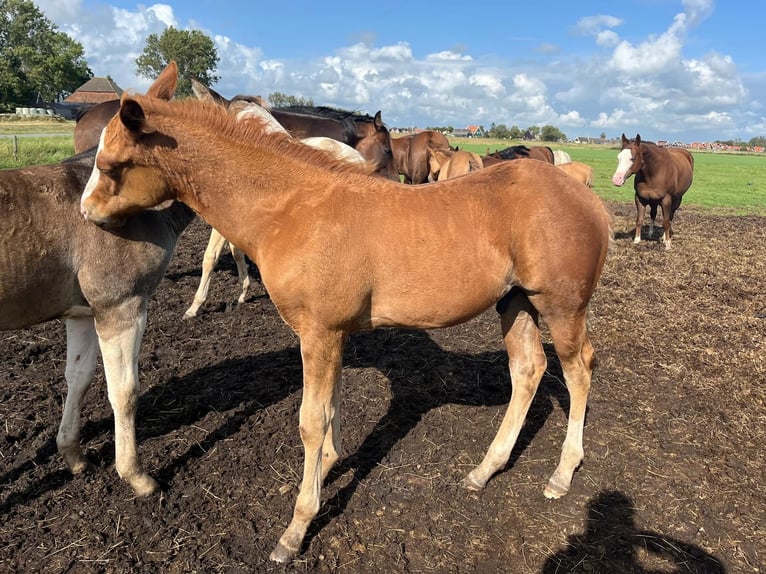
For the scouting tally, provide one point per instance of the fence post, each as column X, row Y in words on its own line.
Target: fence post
column 15, row 148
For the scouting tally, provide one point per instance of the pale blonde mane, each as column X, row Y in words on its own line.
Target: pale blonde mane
column 253, row 132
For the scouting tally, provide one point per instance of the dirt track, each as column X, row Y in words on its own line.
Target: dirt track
column 673, row 477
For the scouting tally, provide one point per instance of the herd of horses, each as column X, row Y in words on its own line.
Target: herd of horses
column 513, row 233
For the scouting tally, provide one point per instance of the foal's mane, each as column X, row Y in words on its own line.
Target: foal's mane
column 250, row 132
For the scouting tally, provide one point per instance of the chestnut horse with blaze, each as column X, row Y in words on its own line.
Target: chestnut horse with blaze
column 521, row 236
column 663, row 175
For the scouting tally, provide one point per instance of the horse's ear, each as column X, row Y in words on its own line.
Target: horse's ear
column 165, row 85
column 207, row 94
column 133, row 117
column 378, row 121
column 624, row 139
column 638, row 138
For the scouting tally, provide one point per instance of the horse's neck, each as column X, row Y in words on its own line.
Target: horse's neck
column 652, row 160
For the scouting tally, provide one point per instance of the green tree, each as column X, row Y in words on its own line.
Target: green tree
column 499, row 131
column 552, row 134
column 193, row 51
column 515, row 133
column 280, row 100
column 36, row 60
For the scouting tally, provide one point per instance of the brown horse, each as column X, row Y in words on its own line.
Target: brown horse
column 53, row 265
column 89, row 124
column 582, row 172
column 521, row 236
column 663, row 175
column 447, row 164
column 411, row 154
column 366, row 134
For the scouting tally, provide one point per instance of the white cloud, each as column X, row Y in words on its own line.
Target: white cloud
column 622, row 84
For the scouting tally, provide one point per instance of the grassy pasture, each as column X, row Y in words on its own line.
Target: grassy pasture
column 732, row 183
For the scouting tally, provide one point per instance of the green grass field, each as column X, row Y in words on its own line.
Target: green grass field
column 733, row 183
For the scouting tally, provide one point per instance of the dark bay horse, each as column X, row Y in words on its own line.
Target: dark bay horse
column 367, row 134
column 89, row 124
column 411, row 153
column 662, row 176
column 53, row 264
column 541, row 153
column 521, row 236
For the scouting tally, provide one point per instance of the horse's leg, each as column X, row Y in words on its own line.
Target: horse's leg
column 81, row 356
column 653, row 218
column 242, row 271
column 321, row 352
column 576, row 355
column 213, row 250
column 120, row 331
column 640, row 214
column 667, row 220
column 526, row 360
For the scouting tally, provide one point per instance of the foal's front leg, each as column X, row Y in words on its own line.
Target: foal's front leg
column 213, row 250
column 321, row 353
column 119, row 332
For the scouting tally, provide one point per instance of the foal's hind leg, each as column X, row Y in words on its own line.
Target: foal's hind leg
column 526, row 360
column 577, row 357
column 213, row 250
column 81, row 356
column 242, row 272
column 119, row 333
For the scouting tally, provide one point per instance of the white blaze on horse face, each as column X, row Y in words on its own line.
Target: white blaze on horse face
column 624, row 161
column 93, row 179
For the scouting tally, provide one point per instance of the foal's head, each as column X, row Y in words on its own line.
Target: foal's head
column 630, row 160
column 374, row 143
column 119, row 184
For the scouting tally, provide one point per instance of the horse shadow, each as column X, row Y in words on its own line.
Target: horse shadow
column 611, row 543
column 420, row 376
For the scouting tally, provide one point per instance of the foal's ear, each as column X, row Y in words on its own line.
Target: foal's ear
column 165, row 85
column 207, row 94
column 378, row 121
column 638, row 138
column 133, row 117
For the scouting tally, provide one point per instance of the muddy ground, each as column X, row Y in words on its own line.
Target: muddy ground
column 673, row 477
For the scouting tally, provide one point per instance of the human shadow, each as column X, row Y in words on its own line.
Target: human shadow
column 611, row 543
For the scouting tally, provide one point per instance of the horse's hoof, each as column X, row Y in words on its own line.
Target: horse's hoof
column 282, row 554
column 553, row 490
column 144, row 485
column 471, row 483
column 189, row 315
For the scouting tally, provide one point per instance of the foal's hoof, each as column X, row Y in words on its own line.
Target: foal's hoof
column 471, row 483
column 282, row 554
column 555, row 490
column 144, row 485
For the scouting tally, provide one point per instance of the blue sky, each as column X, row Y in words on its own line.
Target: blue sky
column 688, row 70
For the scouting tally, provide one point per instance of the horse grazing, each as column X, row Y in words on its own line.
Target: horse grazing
column 245, row 107
column 52, row 265
column 663, row 175
column 445, row 165
column 87, row 128
column 411, row 154
column 521, row 236
column 582, row 172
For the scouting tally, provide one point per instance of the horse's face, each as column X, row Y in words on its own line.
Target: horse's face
column 122, row 182
column 629, row 160
column 375, row 145
column 119, row 184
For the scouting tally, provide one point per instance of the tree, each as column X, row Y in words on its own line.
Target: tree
column 280, row 100
column 552, row 134
column 193, row 51
column 36, row 60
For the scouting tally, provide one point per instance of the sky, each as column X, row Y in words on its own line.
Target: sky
column 688, row 70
